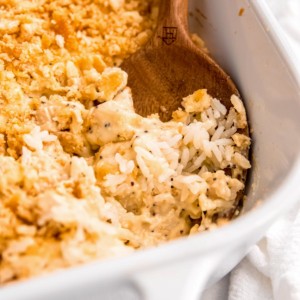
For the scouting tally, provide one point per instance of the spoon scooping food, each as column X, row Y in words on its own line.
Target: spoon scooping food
column 171, row 67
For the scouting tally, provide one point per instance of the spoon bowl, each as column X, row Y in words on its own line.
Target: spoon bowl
column 160, row 77
column 171, row 67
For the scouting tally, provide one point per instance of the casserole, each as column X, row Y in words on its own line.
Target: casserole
column 251, row 48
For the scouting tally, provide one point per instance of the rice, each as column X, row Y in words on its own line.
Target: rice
column 83, row 177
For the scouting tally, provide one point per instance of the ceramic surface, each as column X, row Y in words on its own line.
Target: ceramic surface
column 246, row 40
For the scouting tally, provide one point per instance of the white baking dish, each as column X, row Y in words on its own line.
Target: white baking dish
column 253, row 50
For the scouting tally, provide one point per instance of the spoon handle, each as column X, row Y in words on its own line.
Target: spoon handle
column 172, row 24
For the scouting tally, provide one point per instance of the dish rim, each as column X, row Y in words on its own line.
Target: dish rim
column 190, row 246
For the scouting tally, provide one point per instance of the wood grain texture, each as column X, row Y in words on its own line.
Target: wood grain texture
column 171, row 67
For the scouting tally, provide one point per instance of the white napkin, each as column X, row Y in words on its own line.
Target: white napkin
column 272, row 268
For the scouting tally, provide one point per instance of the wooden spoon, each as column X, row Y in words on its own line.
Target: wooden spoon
column 171, row 67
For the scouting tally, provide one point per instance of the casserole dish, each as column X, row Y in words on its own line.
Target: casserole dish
column 247, row 42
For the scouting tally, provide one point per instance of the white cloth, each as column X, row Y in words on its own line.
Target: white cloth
column 271, row 271
column 272, row 268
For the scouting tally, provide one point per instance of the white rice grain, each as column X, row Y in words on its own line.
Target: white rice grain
column 217, row 152
column 197, row 163
column 241, row 161
column 217, row 105
column 229, row 132
column 185, row 156
column 218, row 133
column 230, row 118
